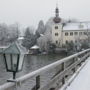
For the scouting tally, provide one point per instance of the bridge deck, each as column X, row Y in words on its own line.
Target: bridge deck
column 82, row 81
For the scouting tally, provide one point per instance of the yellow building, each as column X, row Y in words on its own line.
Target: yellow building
column 68, row 32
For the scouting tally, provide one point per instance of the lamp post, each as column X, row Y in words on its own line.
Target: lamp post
column 13, row 56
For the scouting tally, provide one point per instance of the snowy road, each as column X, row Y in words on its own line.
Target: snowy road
column 82, row 81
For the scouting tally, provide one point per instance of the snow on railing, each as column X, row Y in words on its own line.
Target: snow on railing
column 63, row 70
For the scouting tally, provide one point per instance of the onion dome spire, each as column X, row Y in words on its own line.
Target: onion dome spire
column 57, row 11
column 57, row 19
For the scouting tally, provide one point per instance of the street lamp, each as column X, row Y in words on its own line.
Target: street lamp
column 13, row 56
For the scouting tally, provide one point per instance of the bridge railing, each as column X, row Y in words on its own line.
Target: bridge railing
column 57, row 74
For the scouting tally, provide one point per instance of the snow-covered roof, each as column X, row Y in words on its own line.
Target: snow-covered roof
column 20, row 38
column 3, row 47
column 35, row 47
column 41, row 34
column 76, row 26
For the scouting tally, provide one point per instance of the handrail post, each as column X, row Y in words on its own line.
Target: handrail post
column 37, row 86
column 74, row 59
column 37, row 82
column 63, row 79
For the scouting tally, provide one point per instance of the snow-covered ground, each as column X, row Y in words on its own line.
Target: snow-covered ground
column 82, row 81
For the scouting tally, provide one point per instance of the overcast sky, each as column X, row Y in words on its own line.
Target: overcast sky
column 30, row 12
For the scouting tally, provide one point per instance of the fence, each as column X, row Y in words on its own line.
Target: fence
column 63, row 70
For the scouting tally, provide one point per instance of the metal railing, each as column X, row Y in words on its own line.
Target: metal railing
column 63, row 70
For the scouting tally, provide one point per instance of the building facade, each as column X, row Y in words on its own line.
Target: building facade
column 63, row 33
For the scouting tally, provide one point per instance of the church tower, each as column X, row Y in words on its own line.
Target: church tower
column 57, row 29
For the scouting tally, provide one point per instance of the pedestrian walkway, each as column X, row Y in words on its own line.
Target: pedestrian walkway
column 82, row 81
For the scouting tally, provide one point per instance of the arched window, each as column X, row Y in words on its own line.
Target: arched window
column 66, row 34
column 71, row 33
column 56, row 27
column 56, row 34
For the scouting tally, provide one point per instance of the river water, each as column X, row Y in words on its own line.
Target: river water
column 31, row 63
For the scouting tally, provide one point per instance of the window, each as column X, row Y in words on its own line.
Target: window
column 75, row 33
column 66, row 41
column 56, row 34
column 80, row 33
column 71, row 41
column 84, row 33
column 89, row 33
column 66, row 34
column 71, row 33
column 56, row 27
column 56, row 42
column 75, row 41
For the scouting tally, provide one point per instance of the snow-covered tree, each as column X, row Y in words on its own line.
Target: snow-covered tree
column 29, row 38
column 41, row 28
column 43, row 42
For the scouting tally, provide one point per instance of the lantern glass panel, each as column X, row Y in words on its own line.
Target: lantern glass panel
column 20, row 62
column 14, row 62
column 8, row 61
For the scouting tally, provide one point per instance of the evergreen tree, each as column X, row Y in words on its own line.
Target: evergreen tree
column 29, row 39
column 41, row 28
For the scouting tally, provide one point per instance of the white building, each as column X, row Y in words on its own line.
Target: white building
column 66, row 32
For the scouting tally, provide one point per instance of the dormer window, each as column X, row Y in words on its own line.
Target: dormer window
column 56, row 27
